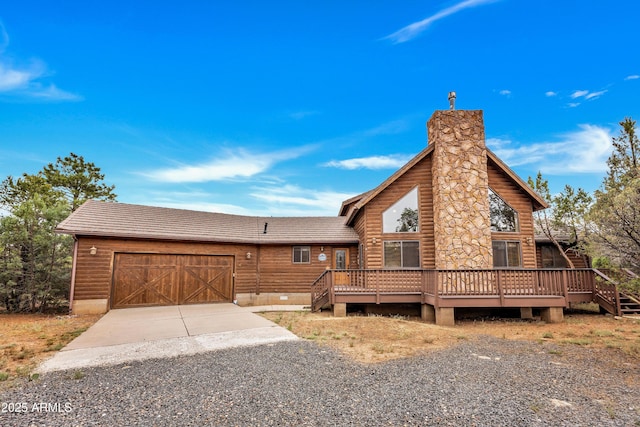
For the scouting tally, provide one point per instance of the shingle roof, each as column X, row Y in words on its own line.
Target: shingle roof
column 109, row 219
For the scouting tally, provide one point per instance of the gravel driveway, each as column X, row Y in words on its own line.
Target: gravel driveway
column 484, row 382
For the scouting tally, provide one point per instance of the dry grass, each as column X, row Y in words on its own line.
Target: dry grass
column 370, row 339
column 27, row 339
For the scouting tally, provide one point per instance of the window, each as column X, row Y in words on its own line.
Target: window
column 301, row 254
column 503, row 216
column 506, row 254
column 402, row 216
column 552, row 258
column 402, row 254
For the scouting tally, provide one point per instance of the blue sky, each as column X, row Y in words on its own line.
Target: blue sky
column 288, row 108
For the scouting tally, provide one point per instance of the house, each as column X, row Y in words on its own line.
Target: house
column 549, row 255
column 451, row 228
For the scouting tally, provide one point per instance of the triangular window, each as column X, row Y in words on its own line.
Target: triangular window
column 503, row 216
column 402, row 216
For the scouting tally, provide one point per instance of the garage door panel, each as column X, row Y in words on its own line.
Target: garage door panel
column 207, row 283
column 156, row 279
column 143, row 285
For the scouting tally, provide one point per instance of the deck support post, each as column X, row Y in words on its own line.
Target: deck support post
column 526, row 313
column 445, row 316
column 552, row 314
column 340, row 309
column 428, row 313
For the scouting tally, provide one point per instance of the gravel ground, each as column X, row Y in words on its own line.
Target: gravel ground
column 484, row 382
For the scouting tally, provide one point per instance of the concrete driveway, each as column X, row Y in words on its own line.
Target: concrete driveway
column 131, row 334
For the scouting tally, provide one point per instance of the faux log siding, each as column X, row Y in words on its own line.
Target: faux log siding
column 521, row 202
column 93, row 272
column 371, row 219
column 368, row 223
column 360, row 226
column 276, row 272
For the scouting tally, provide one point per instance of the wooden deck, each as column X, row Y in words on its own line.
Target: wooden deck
column 466, row 288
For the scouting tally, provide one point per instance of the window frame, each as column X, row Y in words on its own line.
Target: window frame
column 516, row 213
column 556, row 257
column 415, row 189
column 301, row 250
column 506, row 253
column 402, row 257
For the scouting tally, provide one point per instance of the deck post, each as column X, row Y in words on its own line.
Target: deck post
column 340, row 309
column 565, row 286
column 526, row 312
column 445, row 316
column 552, row 314
column 332, row 293
column 428, row 313
column 500, row 290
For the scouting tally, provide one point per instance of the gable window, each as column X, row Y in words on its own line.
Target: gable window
column 301, row 254
column 402, row 216
column 506, row 254
column 552, row 258
column 503, row 216
column 402, row 254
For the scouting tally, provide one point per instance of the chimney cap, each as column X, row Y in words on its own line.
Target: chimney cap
column 452, row 100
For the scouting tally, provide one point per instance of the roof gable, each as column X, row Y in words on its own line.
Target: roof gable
column 538, row 202
column 351, row 206
column 368, row 196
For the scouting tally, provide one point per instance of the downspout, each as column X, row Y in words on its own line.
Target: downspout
column 73, row 273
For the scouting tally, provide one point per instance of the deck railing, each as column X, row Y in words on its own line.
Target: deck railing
column 570, row 285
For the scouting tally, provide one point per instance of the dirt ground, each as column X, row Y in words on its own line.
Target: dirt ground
column 27, row 339
column 371, row 339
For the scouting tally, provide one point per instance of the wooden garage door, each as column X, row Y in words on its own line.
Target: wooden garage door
column 162, row 279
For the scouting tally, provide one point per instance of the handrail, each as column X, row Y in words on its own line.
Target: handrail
column 445, row 283
column 320, row 291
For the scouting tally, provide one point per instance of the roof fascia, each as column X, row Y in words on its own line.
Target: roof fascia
column 538, row 202
column 373, row 193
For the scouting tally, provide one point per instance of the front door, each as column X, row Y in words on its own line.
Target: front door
column 341, row 262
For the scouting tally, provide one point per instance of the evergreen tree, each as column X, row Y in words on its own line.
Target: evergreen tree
column 565, row 217
column 616, row 212
column 35, row 262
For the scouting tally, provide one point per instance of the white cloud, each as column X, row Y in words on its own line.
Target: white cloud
column 25, row 81
column 413, row 30
column 594, row 95
column 201, row 207
column 587, row 94
column 12, row 79
column 632, row 77
column 236, row 164
column 582, row 151
column 579, row 93
column 392, row 161
column 292, row 200
column 505, row 92
column 52, row 93
column 573, row 104
column 550, row 93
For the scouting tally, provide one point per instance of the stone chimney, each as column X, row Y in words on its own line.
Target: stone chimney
column 462, row 225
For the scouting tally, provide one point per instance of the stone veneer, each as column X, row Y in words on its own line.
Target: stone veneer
column 462, row 225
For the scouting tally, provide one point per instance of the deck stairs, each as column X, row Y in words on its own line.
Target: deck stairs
column 629, row 304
